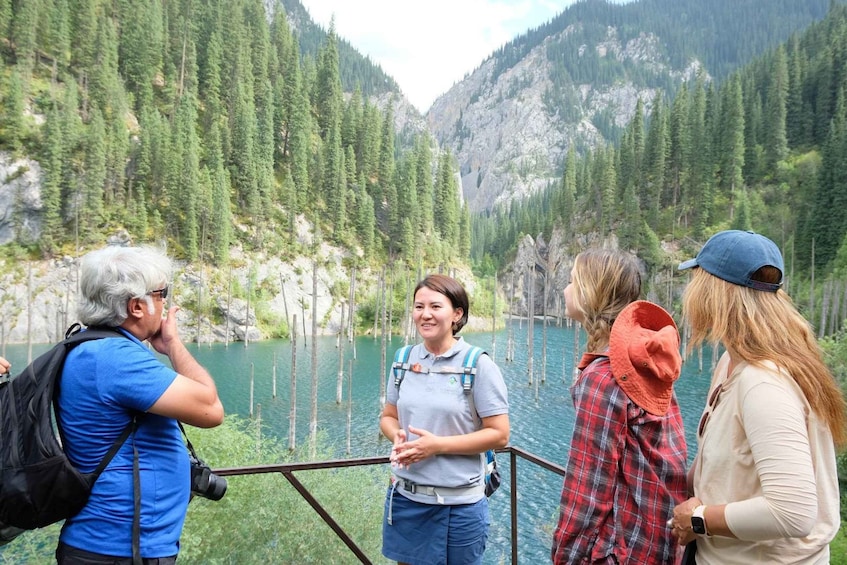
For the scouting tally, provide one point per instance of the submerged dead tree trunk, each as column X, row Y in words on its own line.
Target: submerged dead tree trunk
column 510, row 345
column 228, row 309
column 530, row 313
column 409, row 324
column 389, row 304
column 576, row 353
column 247, row 315
column 544, row 334
column 339, row 383
column 29, row 314
column 493, row 317
column 351, row 333
column 291, row 328
column 199, row 308
column 383, row 347
column 349, row 407
column 292, row 411
column 380, row 297
column 313, row 420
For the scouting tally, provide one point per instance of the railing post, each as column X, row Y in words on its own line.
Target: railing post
column 513, row 487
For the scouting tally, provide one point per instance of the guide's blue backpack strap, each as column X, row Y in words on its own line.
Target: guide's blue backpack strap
column 469, row 368
column 401, row 364
column 492, row 473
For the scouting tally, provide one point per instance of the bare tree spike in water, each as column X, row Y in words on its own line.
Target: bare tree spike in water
column 382, row 367
column 339, row 384
column 247, row 316
column 352, row 331
column 198, row 316
column 530, row 313
column 228, row 308
column 510, row 351
column 288, row 322
column 493, row 317
column 292, row 412
column 313, row 420
column 544, row 335
column 29, row 313
column 349, row 407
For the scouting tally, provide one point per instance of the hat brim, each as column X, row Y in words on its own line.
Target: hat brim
column 653, row 395
column 687, row 264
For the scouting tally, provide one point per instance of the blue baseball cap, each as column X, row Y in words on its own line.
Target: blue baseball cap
column 735, row 255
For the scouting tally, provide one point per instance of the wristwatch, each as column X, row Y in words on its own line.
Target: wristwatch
column 698, row 521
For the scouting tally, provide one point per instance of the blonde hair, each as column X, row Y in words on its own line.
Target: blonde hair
column 604, row 281
column 764, row 326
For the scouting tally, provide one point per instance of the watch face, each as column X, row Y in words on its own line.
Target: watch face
column 698, row 525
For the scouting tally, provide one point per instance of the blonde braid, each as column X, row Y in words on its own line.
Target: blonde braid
column 605, row 282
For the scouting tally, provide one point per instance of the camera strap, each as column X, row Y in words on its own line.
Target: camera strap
column 187, row 441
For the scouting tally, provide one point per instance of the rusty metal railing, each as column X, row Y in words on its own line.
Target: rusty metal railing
column 288, row 469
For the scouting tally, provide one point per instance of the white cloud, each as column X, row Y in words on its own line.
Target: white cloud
column 428, row 47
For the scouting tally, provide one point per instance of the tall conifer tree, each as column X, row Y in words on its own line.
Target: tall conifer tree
column 776, row 141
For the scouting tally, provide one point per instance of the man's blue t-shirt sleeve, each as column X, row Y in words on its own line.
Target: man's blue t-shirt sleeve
column 131, row 376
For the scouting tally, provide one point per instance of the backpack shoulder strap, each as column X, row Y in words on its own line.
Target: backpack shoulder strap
column 469, row 368
column 468, row 376
column 401, row 364
column 73, row 337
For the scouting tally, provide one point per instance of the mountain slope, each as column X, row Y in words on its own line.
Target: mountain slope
column 356, row 70
column 576, row 80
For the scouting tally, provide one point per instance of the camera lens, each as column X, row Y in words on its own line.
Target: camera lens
column 205, row 483
column 217, row 487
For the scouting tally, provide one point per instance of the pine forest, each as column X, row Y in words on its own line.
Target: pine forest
column 202, row 124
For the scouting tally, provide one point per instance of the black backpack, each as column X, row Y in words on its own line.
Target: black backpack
column 38, row 485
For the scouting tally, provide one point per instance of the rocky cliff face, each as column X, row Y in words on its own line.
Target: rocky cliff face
column 20, row 199
column 509, row 141
column 39, row 298
column 534, row 282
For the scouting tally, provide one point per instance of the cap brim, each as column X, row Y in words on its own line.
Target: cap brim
column 687, row 264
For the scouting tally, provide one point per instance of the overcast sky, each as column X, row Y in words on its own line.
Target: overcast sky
column 429, row 46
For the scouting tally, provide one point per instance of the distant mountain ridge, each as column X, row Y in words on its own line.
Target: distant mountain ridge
column 576, row 80
column 356, row 70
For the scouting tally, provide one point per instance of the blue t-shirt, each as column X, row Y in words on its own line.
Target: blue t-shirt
column 103, row 384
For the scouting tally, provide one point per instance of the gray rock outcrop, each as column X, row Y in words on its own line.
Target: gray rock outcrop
column 508, row 140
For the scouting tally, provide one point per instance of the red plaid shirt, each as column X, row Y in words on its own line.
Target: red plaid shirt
column 625, row 473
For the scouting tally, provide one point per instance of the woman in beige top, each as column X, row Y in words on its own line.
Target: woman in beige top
column 764, row 478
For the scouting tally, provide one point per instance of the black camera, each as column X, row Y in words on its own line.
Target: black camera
column 203, row 481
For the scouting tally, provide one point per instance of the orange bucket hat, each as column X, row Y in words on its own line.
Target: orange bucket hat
column 644, row 354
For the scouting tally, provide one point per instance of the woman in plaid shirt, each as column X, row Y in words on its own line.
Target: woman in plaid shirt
column 626, row 467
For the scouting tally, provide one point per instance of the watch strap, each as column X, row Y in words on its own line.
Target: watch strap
column 698, row 521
